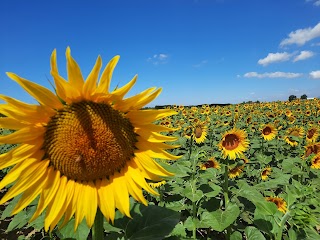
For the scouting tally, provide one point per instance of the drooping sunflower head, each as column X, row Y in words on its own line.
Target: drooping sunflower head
column 84, row 147
column 312, row 134
column 315, row 161
column 211, row 163
column 294, row 132
column 235, row 172
column 265, row 173
column 280, row 202
column 234, row 142
column 269, row 132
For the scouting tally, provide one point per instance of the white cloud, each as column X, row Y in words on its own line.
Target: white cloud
column 158, row 58
column 301, row 36
column 303, row 55
column 274, row 57
column 315, row 74
column 272, row 75
column 317, row 3
column 203, row 62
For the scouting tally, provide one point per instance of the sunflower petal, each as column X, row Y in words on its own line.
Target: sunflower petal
column 74, row 73
column 23, row 135
column 121, row 92
column 90, row 84
column 106, row 76
column 141, row 117
column 90, row 202
column 121, row 197
column 106, row 199
column 43, row 95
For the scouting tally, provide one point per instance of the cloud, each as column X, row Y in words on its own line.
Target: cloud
column 303, row 55
column 315, row 74
column 158, row 59
column 274, row 57
column 272, row 75
column 317, row 3
column 203, row 62
column 301, row 36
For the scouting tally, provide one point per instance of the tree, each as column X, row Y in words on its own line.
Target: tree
column 304, row 96
column 292, row 97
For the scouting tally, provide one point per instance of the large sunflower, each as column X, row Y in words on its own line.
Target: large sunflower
column 83, row 148
column 269, row 132
column 234, row 142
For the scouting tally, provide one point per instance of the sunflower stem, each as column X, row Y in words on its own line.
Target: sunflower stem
column 226, row 194
column 97, row 230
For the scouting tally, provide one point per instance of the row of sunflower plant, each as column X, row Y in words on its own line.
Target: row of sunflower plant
column 86, row 161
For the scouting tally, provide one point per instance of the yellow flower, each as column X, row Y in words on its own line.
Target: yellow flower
column 234, row 142
column 199, row 133
column 280, row 202
column 211, row 163
column 293, row 132
column 269, row 132
column 266, row 172
column 315, row 161
column 235, row 172
column 84, row 148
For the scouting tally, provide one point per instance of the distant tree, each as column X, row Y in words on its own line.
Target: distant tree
column 292, row 97
column 304, row 96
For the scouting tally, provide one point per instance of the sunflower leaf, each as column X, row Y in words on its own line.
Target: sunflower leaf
column 154, row 223
column 253, row 234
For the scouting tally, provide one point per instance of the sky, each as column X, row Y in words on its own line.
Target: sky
column 198, row 51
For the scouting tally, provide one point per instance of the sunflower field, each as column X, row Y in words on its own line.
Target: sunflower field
column 247, row 171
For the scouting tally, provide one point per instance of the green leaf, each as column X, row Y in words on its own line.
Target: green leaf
column 68, row 231
column 253, row 234
column 154, row 223
column 193, row 196
column 220, row 220
column 236, row 236
column 18, row 221
column 179, row 230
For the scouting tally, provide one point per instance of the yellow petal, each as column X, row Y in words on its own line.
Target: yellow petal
column 80, row 211
column 154, row 137
column 11, row 123
column 56, row 205
column 30, row 194
column 49, row 191
column 141, row 117
column 120, row 92
column 121, row 197
column 74, row 73
column 106, row 76
column 23, row 135
column 17, row 155
column 90, row 203
column 26, row 179
column 43, row 95
column 151, row 165
column 72, row 198
column 106, row 199
column 90, row 84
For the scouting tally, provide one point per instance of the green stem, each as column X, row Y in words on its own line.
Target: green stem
column 284, row 219
column 226, row 195
column 97, row 230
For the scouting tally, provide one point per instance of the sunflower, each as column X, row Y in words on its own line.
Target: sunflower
column 199, row 133
column 280, row 202
column 269, row 132
column 234, row 142
column 235, row 172
column 211, row 163
column 315, row 161
column 293, row 132
column 312, row 148
column 84, row 148
column 265, row 173
column 312, row 134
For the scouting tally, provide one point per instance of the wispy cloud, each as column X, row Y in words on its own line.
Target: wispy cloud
column 274, row 57
column 317, row 3
column 273, row 75
column 301, row 36
column 203, row 62
column 315, row 74
column 157, row 59
column 303, row 56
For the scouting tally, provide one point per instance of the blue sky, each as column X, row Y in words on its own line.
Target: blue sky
column 198, row 51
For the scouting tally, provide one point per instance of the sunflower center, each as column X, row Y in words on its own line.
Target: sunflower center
column 87, row 141
column 198, row 132
column 231, row 141
column 266, row 130
column 311, row 132
column 295, row 133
